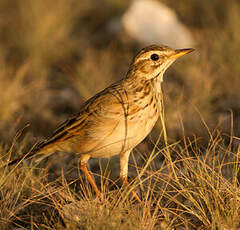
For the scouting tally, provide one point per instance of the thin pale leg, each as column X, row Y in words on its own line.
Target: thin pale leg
column 89, row 177
column 124, row 157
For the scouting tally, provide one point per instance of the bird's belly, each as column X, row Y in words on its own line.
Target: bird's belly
column 113, row 138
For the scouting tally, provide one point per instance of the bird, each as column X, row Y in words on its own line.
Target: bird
column 117, row 119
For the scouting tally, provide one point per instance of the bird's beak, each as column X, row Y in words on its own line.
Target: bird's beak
column 180, row 52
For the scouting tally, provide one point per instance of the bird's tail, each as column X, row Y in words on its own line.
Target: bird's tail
column 40, row 148
column 23, row 157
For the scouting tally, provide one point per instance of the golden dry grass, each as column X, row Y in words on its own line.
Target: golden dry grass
column 54, row 55
column 199, row 189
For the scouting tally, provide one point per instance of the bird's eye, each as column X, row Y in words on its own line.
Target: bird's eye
column 154, row 57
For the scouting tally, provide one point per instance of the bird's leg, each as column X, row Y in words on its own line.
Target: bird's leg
column 83, row 168
column 90, row 179
column 124, row 157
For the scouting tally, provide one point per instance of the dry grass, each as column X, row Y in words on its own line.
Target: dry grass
column 54, row 55
column 199, row 189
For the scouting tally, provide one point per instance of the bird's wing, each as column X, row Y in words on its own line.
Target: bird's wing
column 108, row 106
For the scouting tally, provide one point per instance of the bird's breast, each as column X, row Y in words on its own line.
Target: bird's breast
column 142, row 118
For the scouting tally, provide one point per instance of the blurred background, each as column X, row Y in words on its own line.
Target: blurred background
column 56, row 54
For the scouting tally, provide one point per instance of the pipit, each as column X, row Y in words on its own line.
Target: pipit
column 116, row 119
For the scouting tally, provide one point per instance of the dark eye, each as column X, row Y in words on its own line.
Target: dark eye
column 154, row 57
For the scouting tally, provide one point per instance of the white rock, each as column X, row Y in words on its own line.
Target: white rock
column 149, row 21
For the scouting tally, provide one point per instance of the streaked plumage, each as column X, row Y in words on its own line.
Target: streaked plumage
column 118, row 118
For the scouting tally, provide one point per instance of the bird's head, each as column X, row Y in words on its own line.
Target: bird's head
column 152, row 61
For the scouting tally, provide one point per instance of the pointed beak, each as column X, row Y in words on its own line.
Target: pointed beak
column 180, row 52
